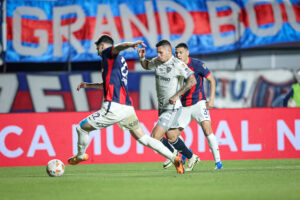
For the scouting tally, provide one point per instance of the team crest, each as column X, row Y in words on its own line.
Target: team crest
column 204, row 66
column 169, row 69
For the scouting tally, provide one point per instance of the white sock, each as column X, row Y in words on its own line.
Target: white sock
column 83, row 141
column 214, row 146
column 157, row 146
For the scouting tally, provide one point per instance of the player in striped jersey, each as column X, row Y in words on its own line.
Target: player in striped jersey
column 194, row 101
column 117, row 106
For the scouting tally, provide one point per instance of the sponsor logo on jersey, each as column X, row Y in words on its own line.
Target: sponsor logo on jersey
column 163, row 78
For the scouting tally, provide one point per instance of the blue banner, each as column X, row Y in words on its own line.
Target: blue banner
column 53, row 31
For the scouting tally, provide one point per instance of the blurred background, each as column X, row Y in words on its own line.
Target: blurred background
column 47, row 47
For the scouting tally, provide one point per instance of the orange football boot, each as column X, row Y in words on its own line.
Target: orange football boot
column 74, row 160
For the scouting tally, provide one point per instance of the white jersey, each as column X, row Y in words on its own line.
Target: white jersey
column 169, row 77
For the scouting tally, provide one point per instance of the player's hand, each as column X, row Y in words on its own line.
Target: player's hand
column 209, row 105
column 138, row 43
column 142, row 52
column 173, row 99
column 81, row 85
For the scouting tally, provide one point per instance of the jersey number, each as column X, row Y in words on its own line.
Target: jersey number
column 124, row 71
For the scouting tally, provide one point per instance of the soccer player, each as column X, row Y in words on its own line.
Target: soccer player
column 169, row 75
column 117, row 106
column 194, row 101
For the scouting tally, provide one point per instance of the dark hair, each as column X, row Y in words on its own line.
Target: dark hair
column 163, row 43
column 106, row 39
column 182, row 45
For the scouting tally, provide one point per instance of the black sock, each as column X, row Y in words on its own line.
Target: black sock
column 167, row 144
column 180, row 146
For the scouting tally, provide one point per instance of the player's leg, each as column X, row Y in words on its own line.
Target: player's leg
column 173, row 137
column 202, row 116
column 82, row 129
column 182, row 156
column 156, row 145
column 137, row 132
column 97, row 120
column 168, row 162
column 183, row 120
column 167, row 144
column 212, row 142
column 178, row 143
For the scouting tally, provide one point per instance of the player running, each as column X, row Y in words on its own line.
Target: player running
column 169, row 75
column 194, row 103
column 117, row 106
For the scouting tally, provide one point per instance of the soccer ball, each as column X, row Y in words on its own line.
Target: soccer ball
column 55, row 168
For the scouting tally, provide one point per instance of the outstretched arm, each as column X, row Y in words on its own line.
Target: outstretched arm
column 89, row 85
column 125, row 45
column 210, row 103
column 144, row 61
column 191, row 81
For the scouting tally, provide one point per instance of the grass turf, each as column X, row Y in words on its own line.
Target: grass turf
column 243, row 179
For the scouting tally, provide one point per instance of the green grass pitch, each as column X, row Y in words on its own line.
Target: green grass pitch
column 243, row 179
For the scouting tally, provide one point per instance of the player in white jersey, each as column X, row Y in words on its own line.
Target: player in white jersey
column 170, row 73
column 195, row 105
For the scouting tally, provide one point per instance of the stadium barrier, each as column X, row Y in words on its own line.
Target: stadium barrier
column 30, row 139
column 56, row 92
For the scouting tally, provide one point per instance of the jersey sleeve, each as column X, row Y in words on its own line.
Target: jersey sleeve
column 152, row 63
column 183, row 70
column 203, row 70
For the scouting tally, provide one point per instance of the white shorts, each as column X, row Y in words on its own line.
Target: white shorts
column 198, row 111
column 169, row 118
column 111, row 113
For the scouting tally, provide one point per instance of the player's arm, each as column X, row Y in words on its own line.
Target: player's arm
column 191, row 81
column 211, row 80
column 125, row 45
column 143, row 60
column 89, row 85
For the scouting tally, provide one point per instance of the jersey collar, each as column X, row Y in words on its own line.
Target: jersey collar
column 190, row 59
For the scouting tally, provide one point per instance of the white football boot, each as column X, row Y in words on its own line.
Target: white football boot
column 192, row 162
column 168, row 163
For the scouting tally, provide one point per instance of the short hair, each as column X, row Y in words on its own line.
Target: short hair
column 182, row 45
column 105, row 39
column 163, row 43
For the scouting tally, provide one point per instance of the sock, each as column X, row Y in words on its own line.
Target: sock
column 167, row 144
column 83, row 141
column 156, row 145
column 214, row 147
column 180, row 146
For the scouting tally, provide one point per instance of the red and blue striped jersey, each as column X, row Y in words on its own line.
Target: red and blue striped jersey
column 196, row 93
column 114, row 74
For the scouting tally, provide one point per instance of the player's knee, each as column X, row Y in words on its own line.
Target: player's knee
column 172, row 137
column 85, row 126
column 156, row 136
column 79, row 129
